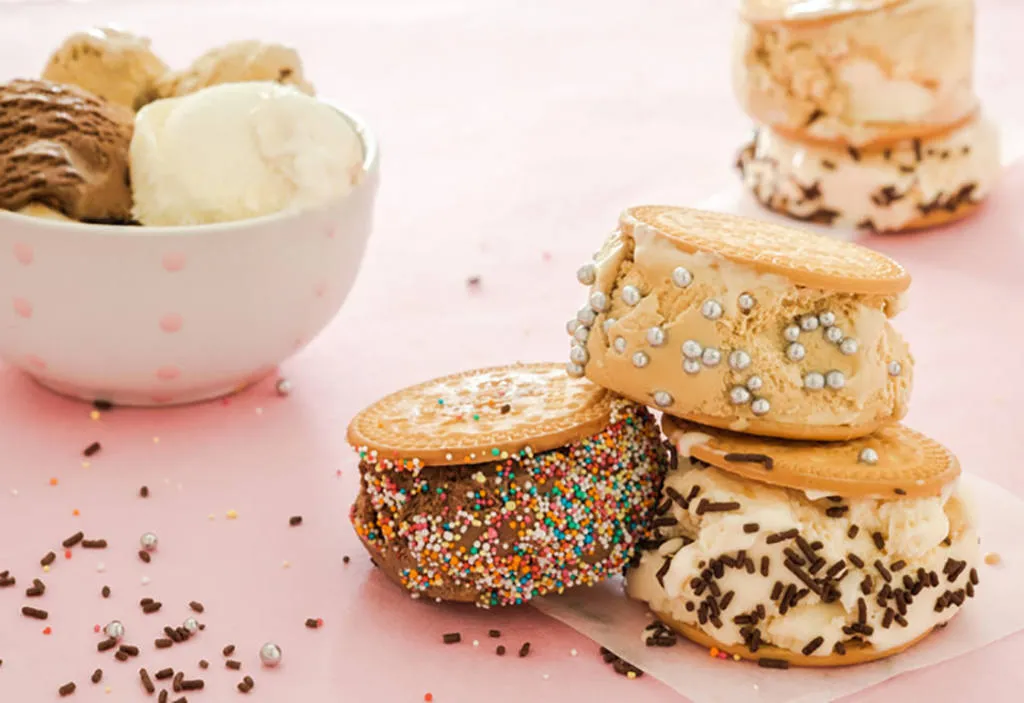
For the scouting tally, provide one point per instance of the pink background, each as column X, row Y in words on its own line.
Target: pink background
column 513, row 132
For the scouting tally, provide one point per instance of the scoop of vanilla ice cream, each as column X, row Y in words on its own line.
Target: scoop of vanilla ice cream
column 237, row 151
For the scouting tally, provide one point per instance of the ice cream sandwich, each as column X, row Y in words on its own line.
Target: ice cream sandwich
column 744, row 325
column 498, row 485
column 808, row 554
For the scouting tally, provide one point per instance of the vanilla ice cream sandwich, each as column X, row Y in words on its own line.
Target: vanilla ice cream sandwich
column 744, row 325
column 856, row 72
column 900, row 186
column 808, row 554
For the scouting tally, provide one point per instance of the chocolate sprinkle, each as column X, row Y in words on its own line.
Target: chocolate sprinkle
column 855, row 560
column 97, row 676
column 706, row 506
column 72, row 540
column 525, row 649
column 839, row 648
column 973, row 575
column 882, row 570
column 164, row 674
column 747, row 458
column 196, row 606
column 130, row 649
column 67, row 689
column 766, row 663
column 312, row 623
column 121, row 656
column 828, row 165
column 94, row 544
column 899, row 491
column 192, row 685
column 150, row 608
column 144, row 556
column 295, row 520
column 92, row 449
column 106, row 644
column 451, row 637
column 812, row 646
column 751, row 527
column 494, row 633
column 500, row 651
column 144, row 492
column 837, row 510
column 854, row 153
column 879, row 541
column 793, row 556
column 34, row 613
column 781, row 536
column 162, row 698
column 677, row 497
column 662, row 571
column 726, row 600
column 852, row 532
column 230, row 649
column 147, row 682
column 203, row 664
column 764, row 566
column 815, row 115
column 163, row 643
column 776, row 590
column 233, row 664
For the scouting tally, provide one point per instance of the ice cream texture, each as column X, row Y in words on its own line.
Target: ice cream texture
column 884, row 572
column 239, row 61
column 238, row 151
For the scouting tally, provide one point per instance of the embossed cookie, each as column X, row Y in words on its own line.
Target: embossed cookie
column 805, row 553
column 857, row 72
column 496, row 485
column 745, row 325
column 906, row 185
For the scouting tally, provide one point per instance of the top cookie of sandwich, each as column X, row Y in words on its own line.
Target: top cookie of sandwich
column 482, row 415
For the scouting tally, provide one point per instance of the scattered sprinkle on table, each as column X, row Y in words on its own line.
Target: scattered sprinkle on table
column 233, row 664
column 92, row 449
column 164, row 674
column 144, row 556
column 229, row 650
column 36, row 613
column 53, row 481
column 494, row 633
column 67, row 689
column 231, row 514
column 525, row 649
column 451, row 637
column 346, row 559
column 97, row 676
column 295, row 520
column 314, row 623
column 144, row 492
column 196, row 606
column 992, row 558
column 500, row 651
column 147, row 682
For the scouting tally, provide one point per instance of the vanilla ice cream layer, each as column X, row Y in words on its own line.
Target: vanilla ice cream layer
column 752, row 564
column 239, row 150
column 855, row 78
column 882, row 188
column 741, row 349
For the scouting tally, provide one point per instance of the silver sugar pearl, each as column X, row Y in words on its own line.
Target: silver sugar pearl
column 814, row 381
column 270, row 655
column 586, row 316
column 114, row 629
column 791, row 333
column 746, row 302
column 587, row 274
column 895, row 368
column 692, row 349
column 834, row 334
column 640, row 359
column 631, row 295
column 191, row 624
column 760, row 406
column 827, row 319
column 579, row 354
column 283, row 387
column 662, row 399
column 607, row 324
column 739, row 395
column 754, row 383
column 868, row 456
column 681, row 277
column 655, row 336
column 619, row 345
column 148, row 541
column 582, row 334
column 739, row 360
column 691, row 366
column 835, row 379
column 598, row 301
column 711, row 357
column 711, row 309
column 574, row 370
column 808, row 323
column 849, row 346
column 795, row 352
column 572, row 325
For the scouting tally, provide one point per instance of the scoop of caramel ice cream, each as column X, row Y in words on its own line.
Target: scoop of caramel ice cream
column 238, row 62
column 64, row 148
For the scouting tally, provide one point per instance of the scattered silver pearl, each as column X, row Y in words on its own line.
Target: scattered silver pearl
column 691, row 366
column 681, row 277
column 582, row 334
column 114, row 629
column 849, row 346
column 619, row 345
column 834, row 334
column 574, row 370
column 191, row 624
column 711, row 309
column 791, row 333
column 746, row 302
column 270, row 655
column 814, row 381
column 739, row 360
column 739, row 395
column 631, row 295
column 795, row 352
column 711, row 357
column 827, row 319
column 808, row 323
column 662, row 399
column 607, row 324
column 572, row 325
column 760, row 406
column 283, row 387
column 586, row 316
column 692, row 349
column 640, row 359
column 835, row 379
column 754, row 383
column 598, row 301
column 868, row 456
column 148, row 541
column 579, row 354
column 655, row 336
column 895, row 368
column 587, row 274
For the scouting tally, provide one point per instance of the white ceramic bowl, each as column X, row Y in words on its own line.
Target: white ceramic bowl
column 171, row 315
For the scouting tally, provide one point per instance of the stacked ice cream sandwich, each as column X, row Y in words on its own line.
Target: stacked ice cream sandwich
column 866, row 111
column 799, row 521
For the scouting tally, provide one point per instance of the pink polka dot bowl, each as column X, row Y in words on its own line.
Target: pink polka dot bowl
column 170, row 315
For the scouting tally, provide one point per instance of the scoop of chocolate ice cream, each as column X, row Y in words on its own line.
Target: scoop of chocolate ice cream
column 64, row 148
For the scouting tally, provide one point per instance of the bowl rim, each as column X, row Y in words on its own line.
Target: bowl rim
column 371, row 162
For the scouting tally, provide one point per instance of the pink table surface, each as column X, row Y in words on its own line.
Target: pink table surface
column 513, row 132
